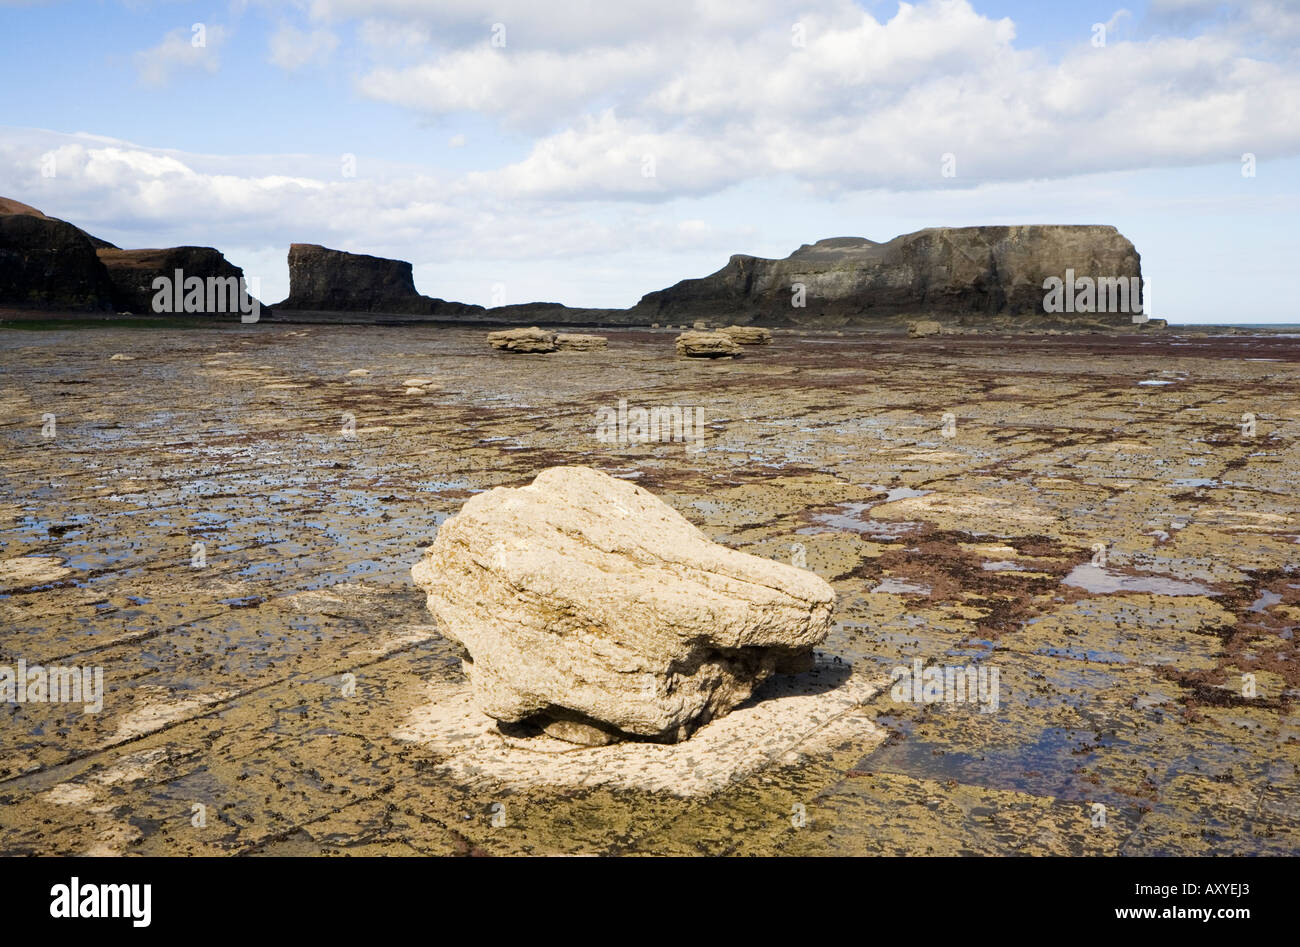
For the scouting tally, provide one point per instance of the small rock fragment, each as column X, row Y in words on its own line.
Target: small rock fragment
column 923, row 328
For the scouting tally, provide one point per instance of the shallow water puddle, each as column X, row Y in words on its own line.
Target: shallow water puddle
column 1101, row 581
column 892, row 586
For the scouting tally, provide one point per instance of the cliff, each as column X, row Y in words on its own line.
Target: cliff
column 131, row 274
column 964, row 274
column 48, row 263
column 973, row 276
column 325, row 280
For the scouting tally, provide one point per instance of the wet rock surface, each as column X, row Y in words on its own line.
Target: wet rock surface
column 589, row 603
column 288, row 683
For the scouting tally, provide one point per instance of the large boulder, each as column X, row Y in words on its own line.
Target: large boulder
column 693, row 344
column 589, row 606
column 531, row 340
column 48, row 263
column 132, row 274
column 924, row 327
column 941, row 272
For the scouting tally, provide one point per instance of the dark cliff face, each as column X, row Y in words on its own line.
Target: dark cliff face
column 965, row 273
column 49, row 263
column 968, row 275
column 321, row 279
column 132, row 273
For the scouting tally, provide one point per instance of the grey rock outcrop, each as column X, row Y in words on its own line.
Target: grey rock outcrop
column 592, row 608
column 946, row 272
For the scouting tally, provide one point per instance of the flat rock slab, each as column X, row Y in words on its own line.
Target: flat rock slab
column 707, row 345
column 531, row 340
column 749, row 335
column 576, row 342
column 789, row 717
column 24, row 572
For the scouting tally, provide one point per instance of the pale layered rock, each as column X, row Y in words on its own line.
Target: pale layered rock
column 533, row 340
column 749, row 335
column 583, row 598
column 707, row 345
column 923, row 328
column 575, row 342
column 24, row 572
column 790, row 719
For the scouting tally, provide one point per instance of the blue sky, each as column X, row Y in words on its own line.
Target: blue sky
column 521, row 165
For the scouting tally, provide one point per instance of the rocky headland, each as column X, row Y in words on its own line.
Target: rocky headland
column 964, row 278
column 966, row 275
column 50, row 264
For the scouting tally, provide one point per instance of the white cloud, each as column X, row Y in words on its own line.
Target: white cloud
column 193, row 48
column 292, row 48
column 864, row 103
column 661, row 135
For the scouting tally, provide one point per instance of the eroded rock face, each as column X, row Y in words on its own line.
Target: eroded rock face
column 948, row 272
column 132, row 272
column 45, row 262
column 533, row 340
column 695, row 344
column 325, row 280
column 585, row 599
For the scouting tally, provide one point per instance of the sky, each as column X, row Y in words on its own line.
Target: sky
column 588, row 152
